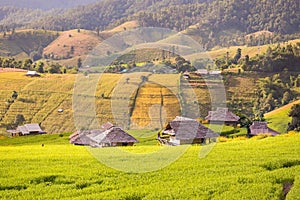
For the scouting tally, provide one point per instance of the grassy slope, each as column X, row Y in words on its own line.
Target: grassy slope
column 233, row 170
column 278, row 119
column 83, row 42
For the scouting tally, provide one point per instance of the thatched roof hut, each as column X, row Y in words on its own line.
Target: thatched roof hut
column 27, row 129
column 109, row 136
column 222, row 115
column 258, row 128
column 184, row 130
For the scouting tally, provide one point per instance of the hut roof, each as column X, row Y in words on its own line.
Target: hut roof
column 222, row 114
column 261, row 128
column 113, row 135
column 185, row 129
column 30, row 128
column 80, row 138
column 107, row 126
column 92, row 137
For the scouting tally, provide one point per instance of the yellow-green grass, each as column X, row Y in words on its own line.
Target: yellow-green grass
column 278, row 119
column 248, row 169
column 14, row 81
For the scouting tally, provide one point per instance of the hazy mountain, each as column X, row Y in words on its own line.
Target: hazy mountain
column 45, row 4
column 213, row 22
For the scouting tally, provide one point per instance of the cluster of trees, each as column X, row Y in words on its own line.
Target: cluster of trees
column 275, row 59
column 39, row 66
column 274, row 92
column 180, row 65
column 222, row 23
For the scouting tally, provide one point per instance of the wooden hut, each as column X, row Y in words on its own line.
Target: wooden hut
column 27, row 129
column 110, row 136
column 259, row 128
column 222, row 116
column 186, row 131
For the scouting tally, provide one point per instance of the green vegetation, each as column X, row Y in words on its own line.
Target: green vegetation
column 249, row 169
column 276, row 59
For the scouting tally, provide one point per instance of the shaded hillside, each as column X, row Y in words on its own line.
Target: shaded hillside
column 25, row 42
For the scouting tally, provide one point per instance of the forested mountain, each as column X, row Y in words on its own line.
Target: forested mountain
column 45, row 4
column 212, row 22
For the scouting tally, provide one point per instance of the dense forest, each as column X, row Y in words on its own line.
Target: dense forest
column 214, row 23
column 275, row 59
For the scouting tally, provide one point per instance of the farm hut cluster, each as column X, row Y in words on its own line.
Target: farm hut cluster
column 180, row 131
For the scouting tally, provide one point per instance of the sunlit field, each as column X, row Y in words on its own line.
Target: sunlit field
column 258, row 168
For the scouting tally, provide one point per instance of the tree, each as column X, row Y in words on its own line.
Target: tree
column 40, row 67
column 144, row 78
column 27, row 64
column 19, row 119
column 237, row 56
column 79, row 63
column 286, row 98
column 295, row 114
column 55, row 68
column 14, row 95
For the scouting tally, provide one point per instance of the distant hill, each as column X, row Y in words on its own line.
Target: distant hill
column 211, row 22
column 44, row 4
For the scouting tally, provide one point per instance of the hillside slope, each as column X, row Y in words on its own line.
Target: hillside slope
column 278, row 119
column 156, row 101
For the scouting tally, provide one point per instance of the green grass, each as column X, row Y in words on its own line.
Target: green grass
column 248, row 169
column 278, row 119
column 229, row 131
